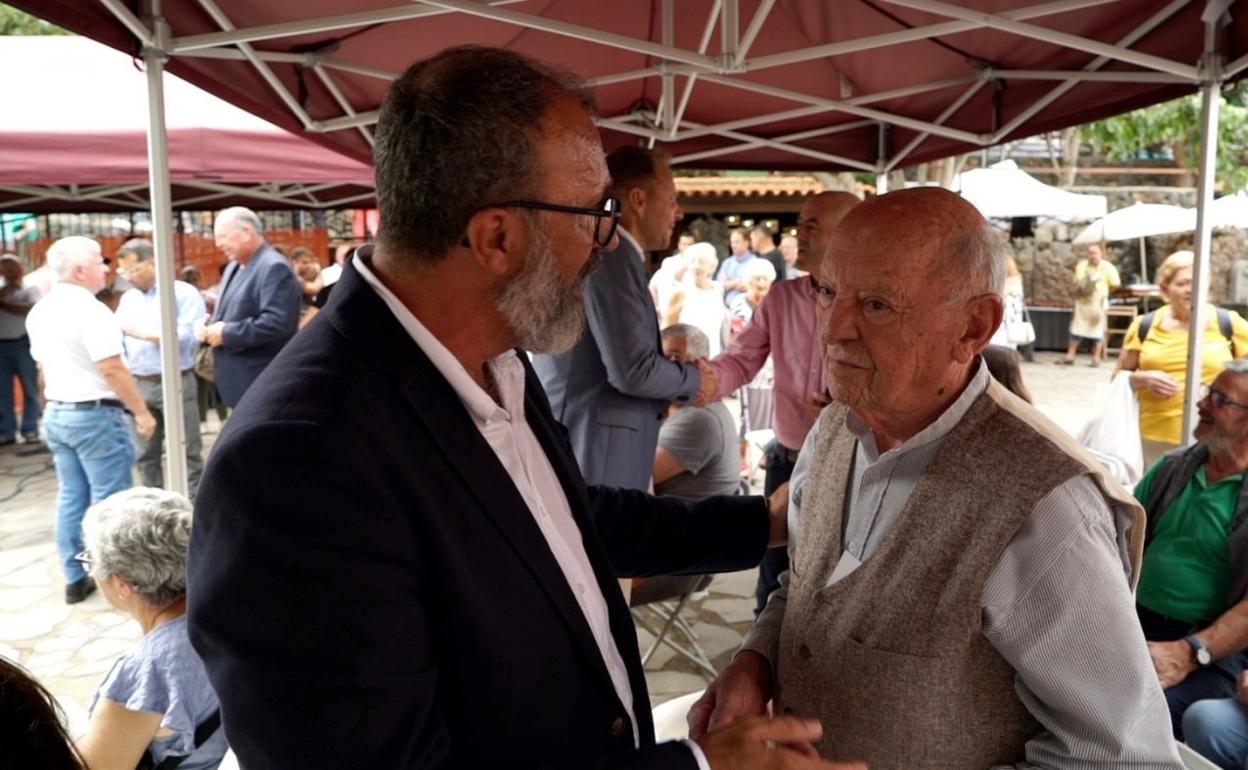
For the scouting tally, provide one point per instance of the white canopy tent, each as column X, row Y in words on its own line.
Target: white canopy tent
column 1003, row 191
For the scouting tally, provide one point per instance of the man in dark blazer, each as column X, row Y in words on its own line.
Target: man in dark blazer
column 612, row 389
column 395, row 561
column 258, row 310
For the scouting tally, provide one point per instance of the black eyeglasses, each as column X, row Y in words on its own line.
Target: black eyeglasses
column 606, row 215
column 1218, row 398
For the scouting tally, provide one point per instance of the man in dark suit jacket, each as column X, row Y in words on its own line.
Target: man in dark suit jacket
column 258, row 310
column 395, row 562
column 612, row 389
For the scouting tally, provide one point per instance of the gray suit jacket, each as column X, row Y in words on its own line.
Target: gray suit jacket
column 260, row 308
column 612, row 388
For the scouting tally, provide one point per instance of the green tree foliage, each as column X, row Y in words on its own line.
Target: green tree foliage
column 1175, row 126
column 15, row 22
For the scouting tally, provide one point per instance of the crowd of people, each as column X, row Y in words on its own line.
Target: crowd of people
column 407, row 539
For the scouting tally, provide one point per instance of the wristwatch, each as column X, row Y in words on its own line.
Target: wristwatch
column 1203, row 656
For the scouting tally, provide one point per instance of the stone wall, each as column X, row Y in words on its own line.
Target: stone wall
column 1047, row 263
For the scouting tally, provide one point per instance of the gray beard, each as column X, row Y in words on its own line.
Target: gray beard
column 546, row 315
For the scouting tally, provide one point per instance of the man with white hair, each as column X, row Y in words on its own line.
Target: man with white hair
column 258, row 311
column 78, row 344
column 960, row 588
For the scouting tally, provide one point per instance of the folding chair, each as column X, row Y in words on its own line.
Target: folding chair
column 665, row 597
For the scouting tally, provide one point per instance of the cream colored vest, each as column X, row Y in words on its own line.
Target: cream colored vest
column 892, row 658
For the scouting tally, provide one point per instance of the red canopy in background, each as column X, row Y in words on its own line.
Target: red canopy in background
column 73, row 138
column 771, row 84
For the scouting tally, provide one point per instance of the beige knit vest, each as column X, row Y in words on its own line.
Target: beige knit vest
column 892, row 658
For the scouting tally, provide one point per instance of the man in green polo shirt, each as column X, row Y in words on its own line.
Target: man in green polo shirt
column 1191, row 596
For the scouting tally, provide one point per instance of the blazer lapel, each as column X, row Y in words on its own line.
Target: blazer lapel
column 364, row 319
column 544, row 426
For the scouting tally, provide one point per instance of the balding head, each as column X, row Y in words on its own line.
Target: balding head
column 11, row 270
column 817, row 221
column 909, row 295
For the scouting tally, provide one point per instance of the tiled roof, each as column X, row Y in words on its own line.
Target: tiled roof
column 748, row 186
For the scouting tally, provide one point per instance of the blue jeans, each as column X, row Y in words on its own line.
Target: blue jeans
column 15, row 361
column 93, row 451
column 1218, row 731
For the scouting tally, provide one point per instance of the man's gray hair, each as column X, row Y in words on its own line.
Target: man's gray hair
column 239, row 215
column 70, row 252
column 982, row 255
column 696, row 342
column 141, row 248
column 141, row 535
column 455, row 134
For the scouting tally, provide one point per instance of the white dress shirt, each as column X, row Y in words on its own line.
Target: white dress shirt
column 509, row 435
column 1082, row 667
column 70, row 330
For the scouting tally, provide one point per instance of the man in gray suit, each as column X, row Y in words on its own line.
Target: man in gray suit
column 612, row 388
column 258, row 311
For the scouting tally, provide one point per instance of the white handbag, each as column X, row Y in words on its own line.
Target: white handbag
column 1020, row 332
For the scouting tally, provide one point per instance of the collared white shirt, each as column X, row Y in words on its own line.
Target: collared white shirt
column 70, row 330
column 509, row 435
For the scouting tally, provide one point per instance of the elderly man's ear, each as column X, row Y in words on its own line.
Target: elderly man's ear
column 983, row 315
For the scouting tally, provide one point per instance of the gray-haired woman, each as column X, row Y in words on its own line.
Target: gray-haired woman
column 156, row 698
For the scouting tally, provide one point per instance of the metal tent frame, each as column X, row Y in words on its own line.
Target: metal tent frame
column 667, row 123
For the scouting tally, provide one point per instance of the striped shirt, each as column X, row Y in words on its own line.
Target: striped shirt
column 1057, row 606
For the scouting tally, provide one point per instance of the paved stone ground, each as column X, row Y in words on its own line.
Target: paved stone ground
column 69, row 648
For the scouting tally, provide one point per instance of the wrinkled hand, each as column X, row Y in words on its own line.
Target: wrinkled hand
column 769, row 744
column 1241, row 688
column 1173, row 661
column 778, row 511
column 741, row 690
column 710, row 384
column 1155, row 381
column 145, row 424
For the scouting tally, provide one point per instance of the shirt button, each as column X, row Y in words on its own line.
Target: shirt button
column 617, row 727
column 580, row 588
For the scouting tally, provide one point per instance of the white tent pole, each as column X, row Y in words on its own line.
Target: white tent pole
column 1143, row 262
column 162, row 241
column 881, row 163
column 1210, row 98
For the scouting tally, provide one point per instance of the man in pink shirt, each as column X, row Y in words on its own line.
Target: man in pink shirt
column 784, row 327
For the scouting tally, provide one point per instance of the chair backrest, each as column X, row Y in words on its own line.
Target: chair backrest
column 666, row 587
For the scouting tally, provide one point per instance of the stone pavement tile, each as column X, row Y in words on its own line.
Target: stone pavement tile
column 665, row 685
column 39, row 573
column 16, row 558
column 735, row 583
column 33, row 622
column 104, row 649
column 15, row 600
column 731, row 610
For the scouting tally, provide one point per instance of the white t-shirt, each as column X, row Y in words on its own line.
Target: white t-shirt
column 70, row 330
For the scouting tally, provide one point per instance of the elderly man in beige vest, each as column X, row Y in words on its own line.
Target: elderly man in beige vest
column 960, row 589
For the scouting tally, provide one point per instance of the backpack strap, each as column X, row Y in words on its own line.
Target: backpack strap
column 1224, row 324
column 1146, row 323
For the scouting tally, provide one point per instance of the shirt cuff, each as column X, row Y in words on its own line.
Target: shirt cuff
column 698, row 756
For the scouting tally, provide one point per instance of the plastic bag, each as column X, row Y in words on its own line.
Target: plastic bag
column 1114, row 430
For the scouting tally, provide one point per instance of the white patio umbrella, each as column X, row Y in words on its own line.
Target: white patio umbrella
column 1139, row 220
column 1003, row 190
column 1230, row 211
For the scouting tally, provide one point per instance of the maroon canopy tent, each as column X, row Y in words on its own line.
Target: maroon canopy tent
column 74, row 138
column 866, row 85
column 859, row 84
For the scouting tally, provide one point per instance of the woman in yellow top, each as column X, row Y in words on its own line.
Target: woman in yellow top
column 1158, row 364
